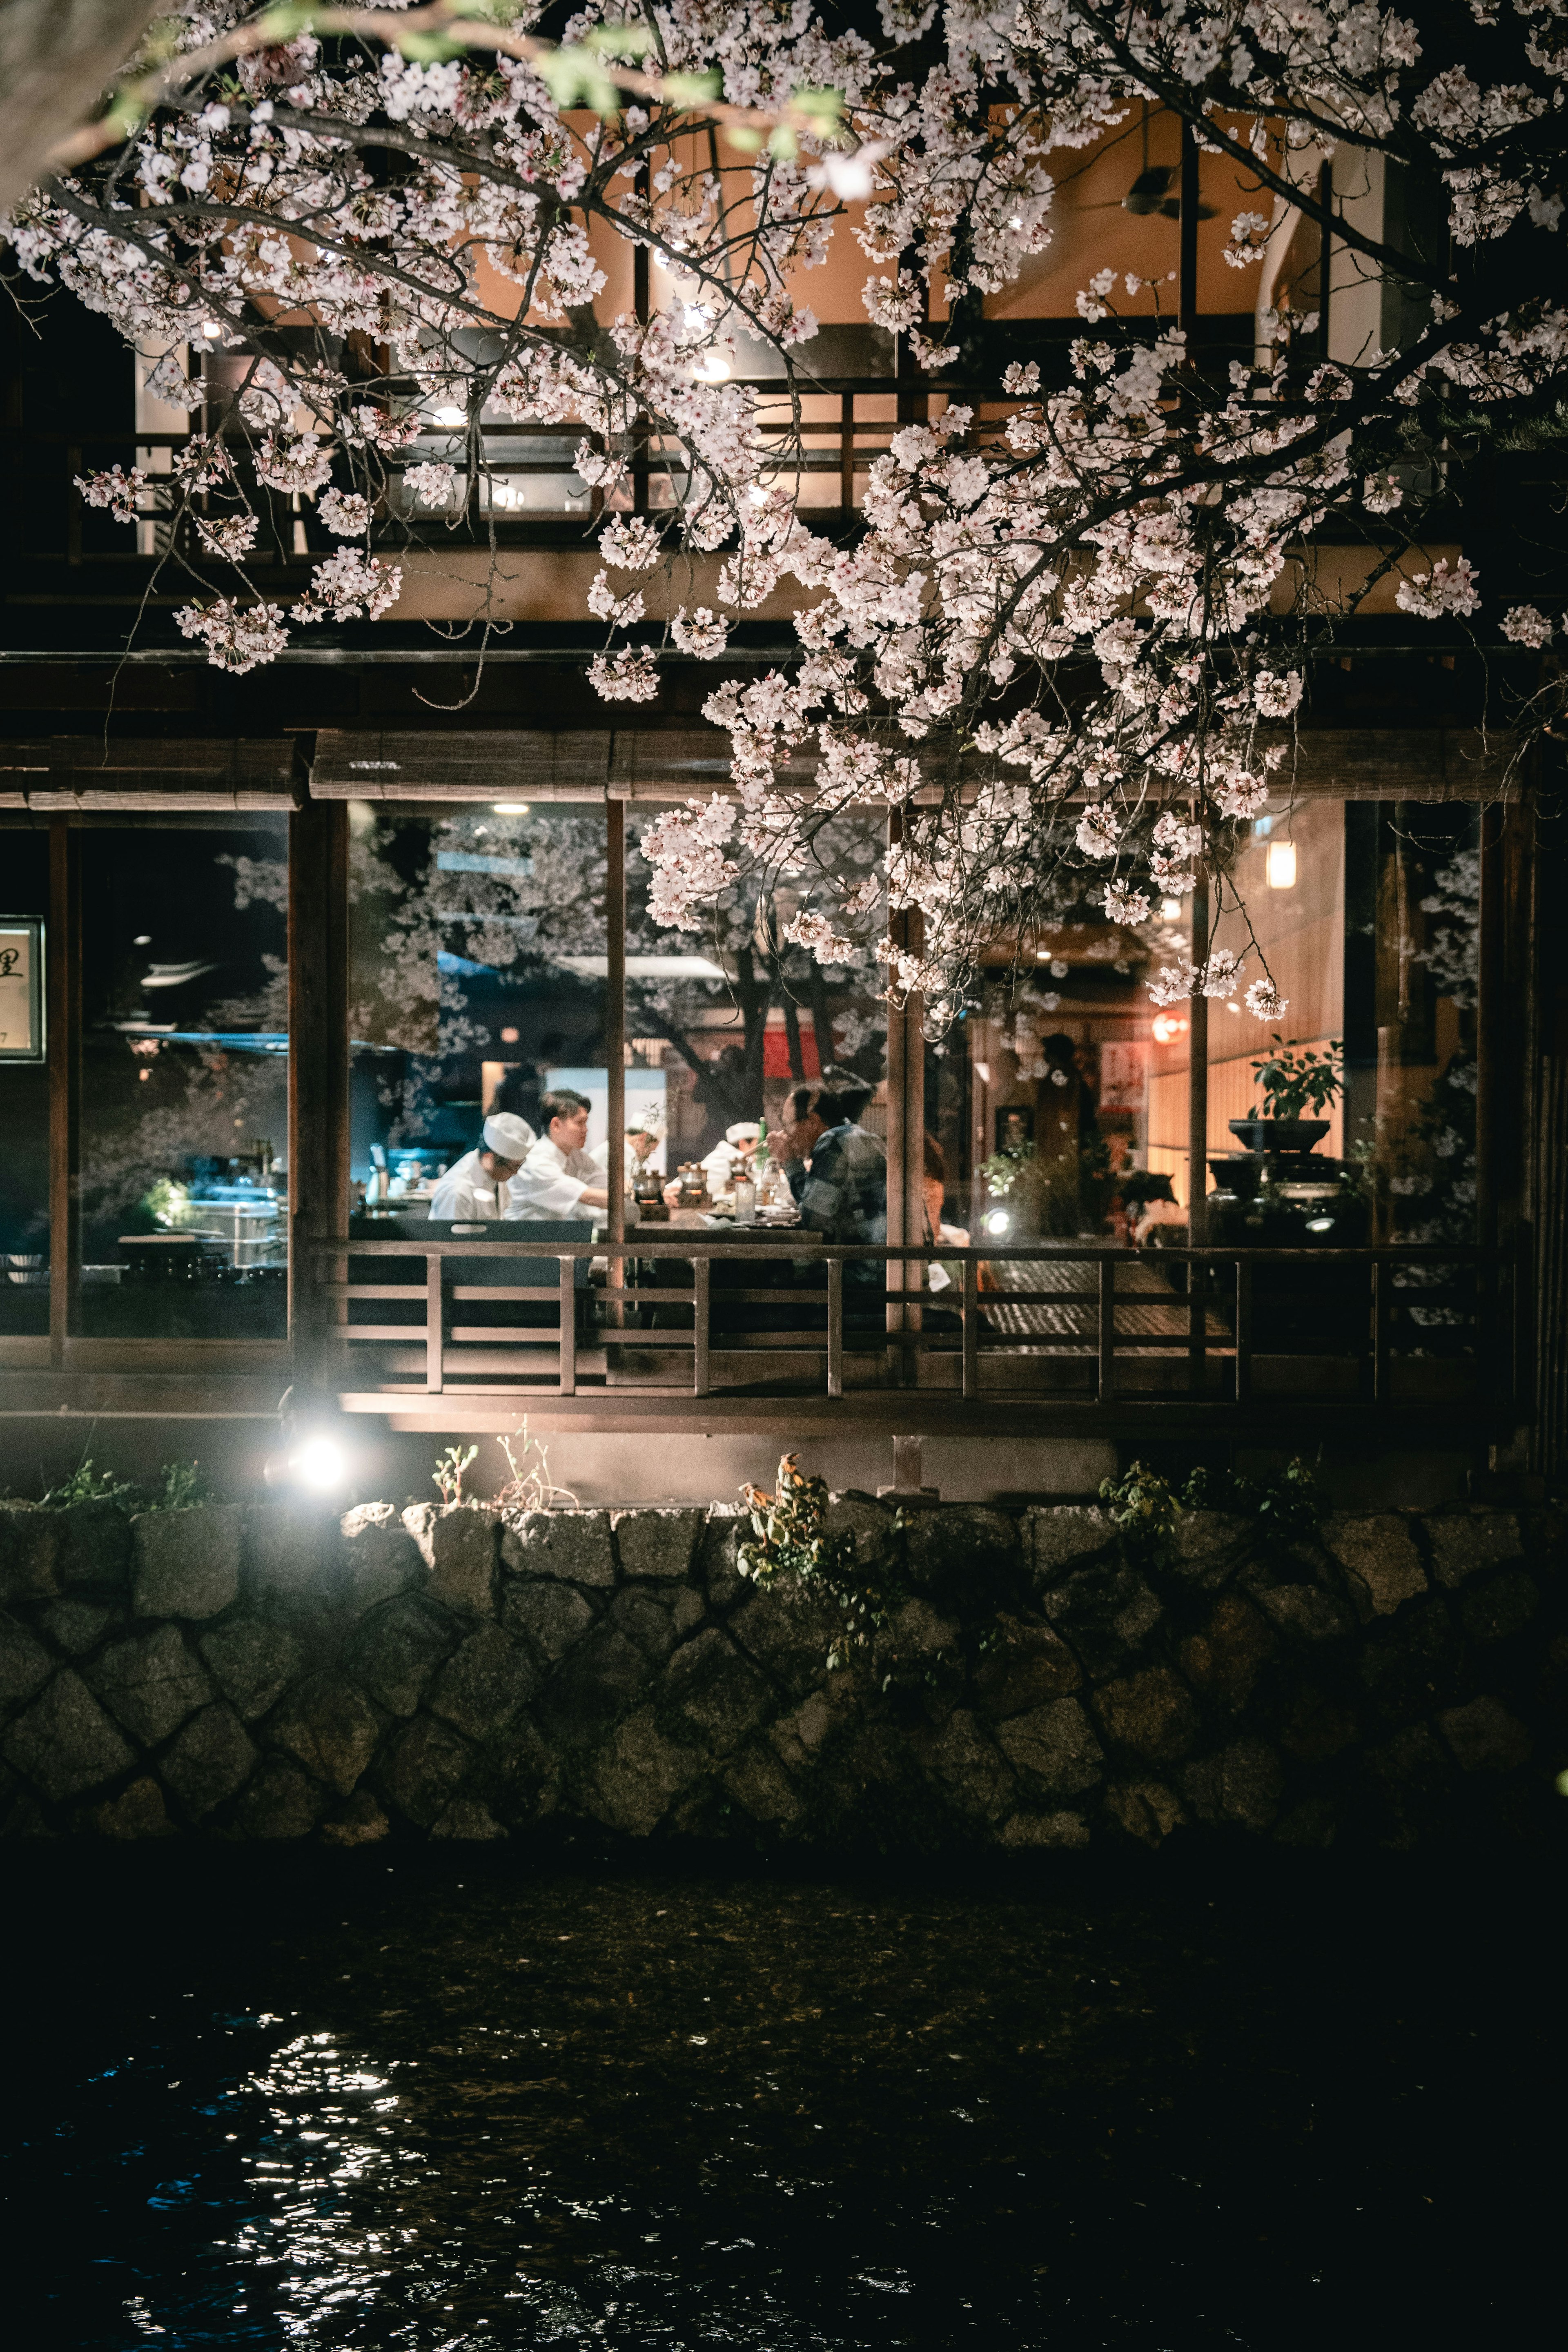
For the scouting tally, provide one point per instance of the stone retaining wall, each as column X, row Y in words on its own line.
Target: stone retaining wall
column 236, row 1674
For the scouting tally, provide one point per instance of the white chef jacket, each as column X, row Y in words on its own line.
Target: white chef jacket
column 470, row 1193
column 550, row 1181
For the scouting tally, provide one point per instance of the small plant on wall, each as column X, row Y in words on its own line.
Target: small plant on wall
column 448, row 1472
column 1297, row 1084
column 790, row 1540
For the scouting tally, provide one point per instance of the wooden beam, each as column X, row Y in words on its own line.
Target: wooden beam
column 1199, row 1078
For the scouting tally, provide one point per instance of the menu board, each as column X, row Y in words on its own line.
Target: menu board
column 21, row 990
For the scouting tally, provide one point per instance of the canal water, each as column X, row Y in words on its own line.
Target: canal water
column 459, row 2099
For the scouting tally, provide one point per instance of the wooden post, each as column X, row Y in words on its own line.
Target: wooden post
column 1490, row 1014
column 318, row 1057
column 1198, row 1077
column 1187, row 268
column 616, row 1020
column 62, row 950
column 906, row 1133
column 846, row 452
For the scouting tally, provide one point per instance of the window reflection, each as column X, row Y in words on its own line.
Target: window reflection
column 25, row 1096
column 185, row 1081
column 477, row 986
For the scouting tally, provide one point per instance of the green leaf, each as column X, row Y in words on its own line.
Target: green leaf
column 784, row 143
column 747, row 141
column 426, row 48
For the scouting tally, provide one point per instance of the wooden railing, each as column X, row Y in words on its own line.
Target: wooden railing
column 673, row 1314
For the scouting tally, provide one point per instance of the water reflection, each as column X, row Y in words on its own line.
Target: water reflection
column 468, row 2106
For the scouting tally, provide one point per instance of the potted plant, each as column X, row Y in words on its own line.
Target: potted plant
column 1293, row 1081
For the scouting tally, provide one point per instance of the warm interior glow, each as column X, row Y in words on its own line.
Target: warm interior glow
column 1281, row 865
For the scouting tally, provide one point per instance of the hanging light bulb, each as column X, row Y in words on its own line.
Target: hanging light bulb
column 1281, row 865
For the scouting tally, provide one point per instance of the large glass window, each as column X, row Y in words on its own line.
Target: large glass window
column 478, row 961
column 184, row 1080
column 24, row 1094
column 731, row 1021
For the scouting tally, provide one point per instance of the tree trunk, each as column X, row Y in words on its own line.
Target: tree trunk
column 57, row 58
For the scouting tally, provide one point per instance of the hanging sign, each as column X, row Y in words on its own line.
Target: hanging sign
column 1123, row 1075
column 21, row 989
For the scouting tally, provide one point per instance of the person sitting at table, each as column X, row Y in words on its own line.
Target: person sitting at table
column 844, row 1197
column 796, row 1141
column 478, row 1187
column 558, row 1179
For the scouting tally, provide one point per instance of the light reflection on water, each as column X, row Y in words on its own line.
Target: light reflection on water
column 471, row 2106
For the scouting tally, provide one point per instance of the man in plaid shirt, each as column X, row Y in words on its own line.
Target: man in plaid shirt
column 844, row 1197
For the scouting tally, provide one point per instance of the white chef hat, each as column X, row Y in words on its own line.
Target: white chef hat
column 509, row 1137
column 747, row 1131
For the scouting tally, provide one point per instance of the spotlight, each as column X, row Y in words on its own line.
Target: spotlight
column 313, row 1456
column 997, row 1220
column 509, row 808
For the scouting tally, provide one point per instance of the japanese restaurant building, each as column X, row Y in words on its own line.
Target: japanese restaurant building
column 272, row 948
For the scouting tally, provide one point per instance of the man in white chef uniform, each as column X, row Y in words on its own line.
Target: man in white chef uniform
column 558, row 1179
column 478, row 1187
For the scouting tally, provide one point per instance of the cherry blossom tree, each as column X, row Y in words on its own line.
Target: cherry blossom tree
column 1068, row 636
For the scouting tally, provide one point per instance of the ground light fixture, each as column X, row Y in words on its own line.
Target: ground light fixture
column 997, row 1222
column 314, row 1456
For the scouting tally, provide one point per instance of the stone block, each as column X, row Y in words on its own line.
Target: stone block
column 359, row 1822
column 1314, row 1726
column 594, row 1685
column 1145, row 1810
column 1208, row 1545
column 1242, row 1784
column 638, row 1774
column 1023, row 1667
column 379, row 1558
column 1057, row 1537
column 79, row 1623
column 548, row 1616
column 467, row 1820
column 459, row 1548
column 915, row 1632
column 328, row 1726
column 1484, row 1737
column 968, row 1560
column 716, row 1572
column 65, row 1744
column 1151, row 1713
column 286, row 1549
column 25, row 1665
column 138, row 1811
column 789, row 1629
column 758, row 1783
column 95, row 1547
column 426, row 1767
column 797, row 1739
column 1037, row 1830
column 1305, row 1612
column 1464, row 1542
column 1104, row 1613
column 656, row 1617
column 279, row 1803
column 30, row 1548
column 395, row 1653
column 1053, row 1750
column 873, row 1526
column 1312, row 1824
column 1502, row 1605
column 210, row 1760
column 1224, row 1661
column 253, row 1660
column 1411, row 1667
column 484, row 1684
column 575, row 1545
column 715, row 1692
column 963, row 1763
column 149, row 1684
column 656, row 1543
column 187, row 1562
column 1380, row 1562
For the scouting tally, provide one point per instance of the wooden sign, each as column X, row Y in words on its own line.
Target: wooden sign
column 21, row 989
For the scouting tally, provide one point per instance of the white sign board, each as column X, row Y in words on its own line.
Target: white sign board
column 21, row 990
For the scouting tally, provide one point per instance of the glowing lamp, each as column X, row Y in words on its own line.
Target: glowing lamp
column 997, row 1222
column 1167, row 1027
column 1170, row 910
column 509, row 808
column 1281, row 865
column 313, row 1457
